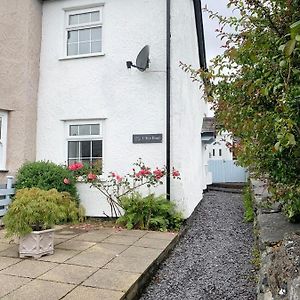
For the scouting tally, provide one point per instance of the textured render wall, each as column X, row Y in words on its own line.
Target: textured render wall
column 102, row 87
column 20, row 35
column 131, row 102
column 188, row 109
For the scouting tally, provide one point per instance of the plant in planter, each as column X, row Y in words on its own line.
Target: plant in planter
column 32, row 215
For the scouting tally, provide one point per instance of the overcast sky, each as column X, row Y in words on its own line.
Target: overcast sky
column 212, row 43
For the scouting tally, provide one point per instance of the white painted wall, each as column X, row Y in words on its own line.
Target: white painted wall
column 131, row 102
column 220, row 145
column 188, row 108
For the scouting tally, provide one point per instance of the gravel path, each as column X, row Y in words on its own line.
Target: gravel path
column 212, row 260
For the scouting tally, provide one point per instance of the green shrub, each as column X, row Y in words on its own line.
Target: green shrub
column 150, row 212
column 46, row 176
column 248, row 205
column 36, row 209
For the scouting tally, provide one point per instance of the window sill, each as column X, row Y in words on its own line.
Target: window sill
column 82, row 56
column 101, row 178
column 4, row 171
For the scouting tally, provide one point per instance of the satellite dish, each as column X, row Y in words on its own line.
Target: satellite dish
column 142, row 60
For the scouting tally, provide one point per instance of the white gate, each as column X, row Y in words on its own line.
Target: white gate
column 226, row 171
column 6, row 191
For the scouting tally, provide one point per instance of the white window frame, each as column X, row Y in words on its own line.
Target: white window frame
column 80, row 138
column 68, row 27
column 3, row 139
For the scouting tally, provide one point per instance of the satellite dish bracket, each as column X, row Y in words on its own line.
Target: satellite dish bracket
column 142, row 61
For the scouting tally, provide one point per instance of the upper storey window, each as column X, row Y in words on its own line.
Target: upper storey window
column 84, row 31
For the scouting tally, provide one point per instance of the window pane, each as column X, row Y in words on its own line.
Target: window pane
column 97, row 149
column 85, row 149
column 95, row 129
column 96, row 47
column 72, row 49
column 73, row 36
column 96, row 34
column 95, row 16
column 84, row 129
column 72, row 161
column 86, row 161
column 84, row 18
column 0, row 127
column 73, row 130
column 73, row 19
column 84, row 35
column 73, row 150
column 84, row 48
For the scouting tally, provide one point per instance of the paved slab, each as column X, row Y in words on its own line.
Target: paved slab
column 111, row 280
column 40, row 290
column 83, row 292
column 105, row 263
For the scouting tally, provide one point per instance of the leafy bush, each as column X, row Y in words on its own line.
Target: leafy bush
column 248, row 205
column 255, row 88
column 36, row 209
column 150, row 212
column 46, row 176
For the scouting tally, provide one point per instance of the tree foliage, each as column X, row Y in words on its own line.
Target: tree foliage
column 255, row 91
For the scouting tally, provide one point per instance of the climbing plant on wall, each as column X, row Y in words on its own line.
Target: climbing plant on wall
column 255, row 90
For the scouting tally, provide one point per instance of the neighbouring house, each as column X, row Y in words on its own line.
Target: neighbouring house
column 91, row 106
column 221, row 159
column 20, row 39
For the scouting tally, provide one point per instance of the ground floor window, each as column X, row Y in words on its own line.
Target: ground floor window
column 3, row 139
column 85, row 142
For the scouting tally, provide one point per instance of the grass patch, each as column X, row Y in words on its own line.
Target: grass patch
column 248, row 205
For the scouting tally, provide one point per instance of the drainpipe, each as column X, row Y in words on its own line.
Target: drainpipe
column 168, row 98
column 200, row 33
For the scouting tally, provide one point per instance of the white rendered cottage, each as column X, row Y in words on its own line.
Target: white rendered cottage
column 91, row 106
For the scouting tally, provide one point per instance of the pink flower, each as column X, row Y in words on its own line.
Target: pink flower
column 75, row 166
column 66, row 181
column 175, row 173
column 113, row 174
column 158, row 173
column 119, row 178
column 91, row 177
column 143, row 172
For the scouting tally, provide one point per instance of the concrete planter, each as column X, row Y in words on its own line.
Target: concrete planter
column 37, row 243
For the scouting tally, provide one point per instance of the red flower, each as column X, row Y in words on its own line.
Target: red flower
column 75, row 166
column 158, row 173
column 118, row 178
column 91, row 177
column 66, row 181
column 143, row 172
column 113, row 174
column 175, row 173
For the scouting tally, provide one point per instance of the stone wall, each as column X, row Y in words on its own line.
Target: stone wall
column 279, row 245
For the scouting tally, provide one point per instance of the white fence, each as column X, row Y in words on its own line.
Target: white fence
column 226, row 171
column 6, row 191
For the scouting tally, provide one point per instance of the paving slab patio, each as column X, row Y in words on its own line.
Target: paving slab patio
column 102, row 263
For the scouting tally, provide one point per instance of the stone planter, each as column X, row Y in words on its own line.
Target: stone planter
column 37, row 243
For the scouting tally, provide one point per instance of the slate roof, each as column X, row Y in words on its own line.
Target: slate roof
column 208, row 125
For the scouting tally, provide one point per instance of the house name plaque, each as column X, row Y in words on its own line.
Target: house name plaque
column 147, row 138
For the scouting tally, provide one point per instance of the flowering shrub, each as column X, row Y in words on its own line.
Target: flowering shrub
column 117, row 186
